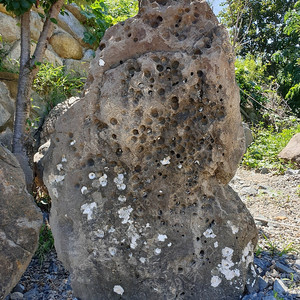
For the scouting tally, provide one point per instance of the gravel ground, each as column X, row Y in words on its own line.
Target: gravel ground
column 274, row 203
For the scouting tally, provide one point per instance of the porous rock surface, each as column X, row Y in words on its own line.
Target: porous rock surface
column 138, row 168
column 20, row 222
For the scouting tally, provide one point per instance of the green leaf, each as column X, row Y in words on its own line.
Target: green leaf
column 53, row 20
column 41, row 15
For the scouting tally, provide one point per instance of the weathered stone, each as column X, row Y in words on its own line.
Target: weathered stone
column 66, row 46
column 89, row 55
column 248, row 135
column 77, row 67
column 138, row 168
column 6, row 138
column 6, row 104
column 292, row 150
column 10, row 31
column 76, row 12
column 55, row 113
column 20, row 222
column 11, row 81
column 36, row 25
column 11, row 60
column 70, row 24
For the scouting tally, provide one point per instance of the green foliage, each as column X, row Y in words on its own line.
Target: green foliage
column 250, row 78
column 268, row 142
column 269, row 30
column 104, row 13
column 18, row 7
column 46, row 242
column 55, row 86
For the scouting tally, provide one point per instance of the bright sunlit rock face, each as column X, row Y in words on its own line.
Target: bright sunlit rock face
column 158, row 137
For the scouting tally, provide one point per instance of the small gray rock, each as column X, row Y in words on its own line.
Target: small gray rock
column 269, row 298
column 283, row 268
column 279, row 286
column 19, row 288
column 264, row 171
column 262, row 283
column 16, row 296
column 297, row 264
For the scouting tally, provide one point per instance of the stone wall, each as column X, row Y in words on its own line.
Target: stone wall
column 66, row 48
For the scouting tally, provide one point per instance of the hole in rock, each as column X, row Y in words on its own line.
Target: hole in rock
column 175, row 64
column 102, row 46
column 200, row 73
column 113, row 121
column 135, row 40
column 129, row 34
column 114, row 136
column 90, row 162
column 119, row 152
column 159, row 68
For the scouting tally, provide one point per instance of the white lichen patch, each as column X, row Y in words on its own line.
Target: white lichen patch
column 179, row 166
column 59, row 167
column 118, row 290
column 72, row 143
column 247, row 256
column 92, row 176
column 87, row 209
column 101, row 62
column 124, row 213
column 157, row 251
column 215, row 281
column 99, row 233
column 166, row 161
column 112, row 251
column 103, row 180
column 216, row 244
column 63, row 159
column 84, row 190
column 119, row 181
column 209, row 233
column 122, row 198
column 142, row 260
column 170, row 244
column 234, row 228
column 161, row 237
column 133, row 235
column 56, row 178
column 111, row 230
column 227, row 264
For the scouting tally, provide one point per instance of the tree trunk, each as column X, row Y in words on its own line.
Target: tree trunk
column 22, row 101
column 28, row 70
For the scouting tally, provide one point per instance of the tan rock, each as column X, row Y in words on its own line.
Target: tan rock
column 6, row 105
column 292, row 150
column 76, row 11
column 138, row 168
column 77, row 67
column 9, row 29
column 70, row 24
column 66, row 46
column 11, row 60
column 36, row 25
column 20, row 222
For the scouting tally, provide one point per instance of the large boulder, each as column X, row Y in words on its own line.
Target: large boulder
column 66, row 46
column 68, row 22
column 20, row 222
column 138, row 169
column 292, row 150
column 10, row 31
